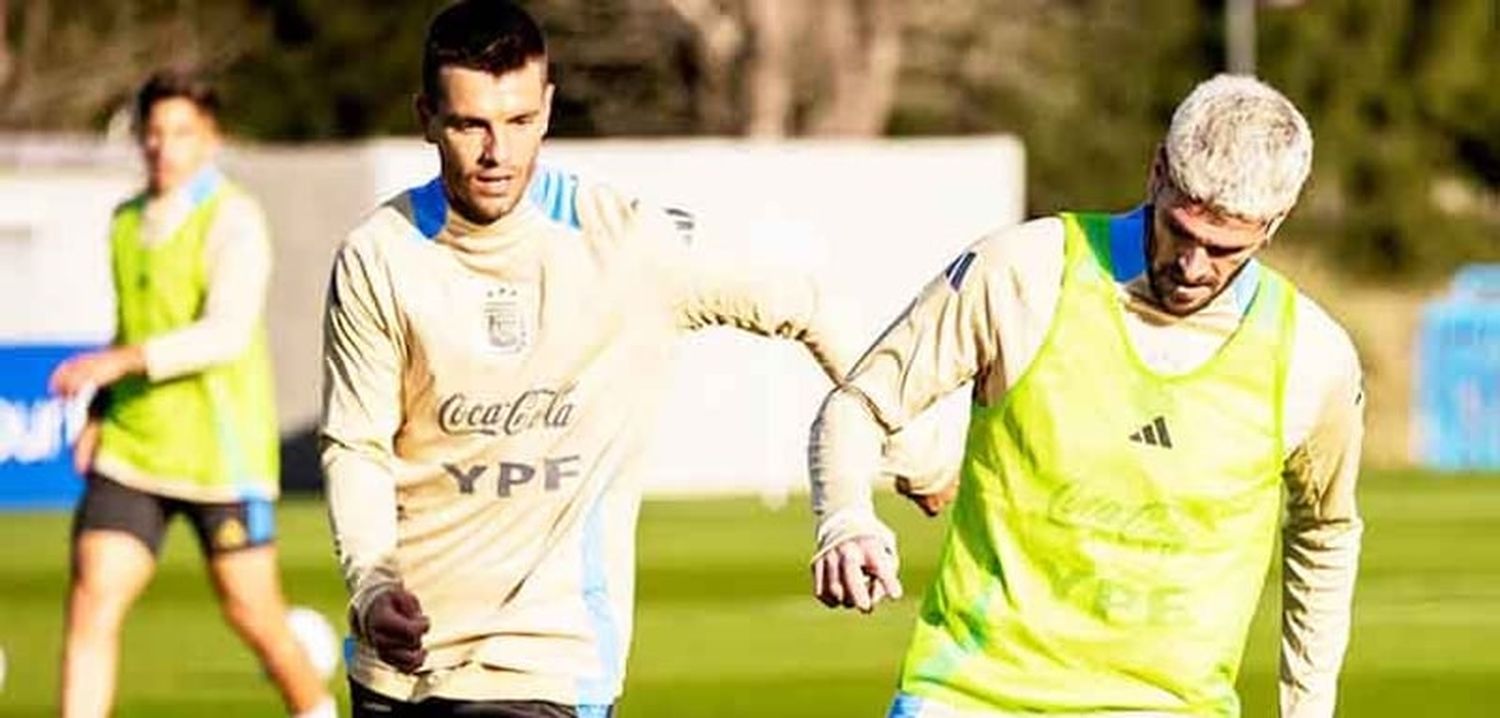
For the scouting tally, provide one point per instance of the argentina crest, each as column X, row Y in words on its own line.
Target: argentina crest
column 506, row 319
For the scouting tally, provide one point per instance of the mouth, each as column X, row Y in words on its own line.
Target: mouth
column 494, row 185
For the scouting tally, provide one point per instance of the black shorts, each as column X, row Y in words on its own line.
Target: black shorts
column 369, row 704
column 222, row 528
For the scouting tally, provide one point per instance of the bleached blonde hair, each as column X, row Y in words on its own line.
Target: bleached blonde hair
column 1239, row 147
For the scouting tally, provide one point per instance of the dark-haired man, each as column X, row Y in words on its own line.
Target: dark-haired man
column 183, row 421
column 496, row 343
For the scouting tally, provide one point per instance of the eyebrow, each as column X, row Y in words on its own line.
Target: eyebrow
column 1182, row 230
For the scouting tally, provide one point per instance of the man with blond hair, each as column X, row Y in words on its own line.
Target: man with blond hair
column 1143, row 389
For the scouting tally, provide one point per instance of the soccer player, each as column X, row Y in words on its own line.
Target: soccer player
column 183, row 421
column 1144, row 389
column 496, row 343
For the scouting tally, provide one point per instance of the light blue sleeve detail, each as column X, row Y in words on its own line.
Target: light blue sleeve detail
column 1244, row 286
column 555, row 193
column 599, row 690
column 906, row 705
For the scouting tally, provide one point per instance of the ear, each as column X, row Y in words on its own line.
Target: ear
column 1274, row 225
column 426, row 113
column 1156, row 179
column 547, row 108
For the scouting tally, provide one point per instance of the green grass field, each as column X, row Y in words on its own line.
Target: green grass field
column 725, row 626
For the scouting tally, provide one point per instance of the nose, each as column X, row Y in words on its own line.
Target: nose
column 493, row 149
column 1193, row 263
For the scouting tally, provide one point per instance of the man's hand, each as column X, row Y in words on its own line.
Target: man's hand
column 931, row 504
column 856, row 573
column 394, row 625
column 96, row 369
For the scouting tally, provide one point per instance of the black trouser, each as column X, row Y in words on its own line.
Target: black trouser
column 369, row 704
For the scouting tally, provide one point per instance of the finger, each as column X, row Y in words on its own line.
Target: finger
column 833, row 580
column 405, row 660
column 856, row 594
column 903, row 486
column 61, row 380
column 828, row 591
column 393, row 630
column 885, row 573
column 405, row 603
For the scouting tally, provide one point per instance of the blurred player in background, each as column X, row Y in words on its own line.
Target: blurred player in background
column 183, row 421
column 1144, row 391
column 497, row 342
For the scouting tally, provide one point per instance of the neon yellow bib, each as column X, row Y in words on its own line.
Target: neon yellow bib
column 1114, row 525
column 210, row 433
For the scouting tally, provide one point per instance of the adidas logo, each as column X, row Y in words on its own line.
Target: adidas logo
column 1154, row 434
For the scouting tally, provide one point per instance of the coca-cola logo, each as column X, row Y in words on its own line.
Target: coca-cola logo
column 1153, row 524
column 542, row 408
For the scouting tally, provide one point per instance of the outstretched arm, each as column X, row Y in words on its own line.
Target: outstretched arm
column 941, row 341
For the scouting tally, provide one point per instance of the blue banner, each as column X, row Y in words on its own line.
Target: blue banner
column 1457, row 409
column 37, row 430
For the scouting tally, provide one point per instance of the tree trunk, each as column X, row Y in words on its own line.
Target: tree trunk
column 861, row 45
column 721, row 37
column 772, row 75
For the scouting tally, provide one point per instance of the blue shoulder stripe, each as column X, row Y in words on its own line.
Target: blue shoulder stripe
column 552, row 191
column 204, row 184
column 1127, row 244
column 555, row 192
column 429, row 207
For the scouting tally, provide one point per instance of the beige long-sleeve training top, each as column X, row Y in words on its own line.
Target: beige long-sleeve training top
column 990, row 327
column 488, row 392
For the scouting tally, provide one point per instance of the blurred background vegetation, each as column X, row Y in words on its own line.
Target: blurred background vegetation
column 1401, row 92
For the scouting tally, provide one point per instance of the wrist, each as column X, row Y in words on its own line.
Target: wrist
column 128, row 360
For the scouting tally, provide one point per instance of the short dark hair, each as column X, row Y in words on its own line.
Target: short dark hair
column 172, row 84
column 495, row 36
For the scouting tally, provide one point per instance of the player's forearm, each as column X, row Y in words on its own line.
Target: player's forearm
column 239, row 272
column 197, row 347
column 771, row 299
column 1319, row 565
column 845, row 455
column 362, row 509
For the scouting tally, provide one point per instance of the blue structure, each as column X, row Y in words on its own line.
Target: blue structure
column 36, row 430
column 1457, row 408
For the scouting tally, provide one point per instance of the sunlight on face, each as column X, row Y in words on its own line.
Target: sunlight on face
column 488, row 130
column 177, row 139
column 1194, row 252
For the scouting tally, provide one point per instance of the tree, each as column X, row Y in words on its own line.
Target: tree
column 828, row 68
column 1401, row 98
column 72, row 69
